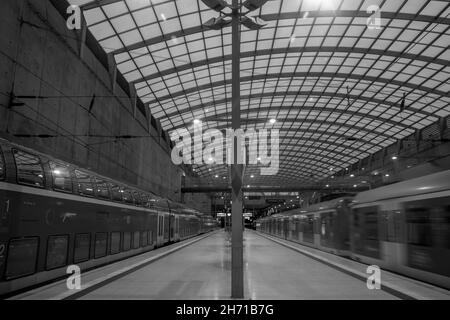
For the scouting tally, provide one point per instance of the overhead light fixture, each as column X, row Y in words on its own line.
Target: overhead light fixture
column 217, row 23
column 352, row 175
column 217, row 5
column 216, row 176
column 252, row 176
column 197, row 121
column 355, row 185
column 394, row 157
column 252, row 23
column 386, row 175
column 273, row 121
column 253, row 5
column 327, row 186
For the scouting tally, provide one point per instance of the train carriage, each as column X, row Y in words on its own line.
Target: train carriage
column 403, row 227
column 54, row 214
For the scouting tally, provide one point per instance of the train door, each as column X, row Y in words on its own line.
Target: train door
column 285, row 227
column 177, row 229
column 393, row 250
column 160, row 230
column 171, row 227
column 166, row 229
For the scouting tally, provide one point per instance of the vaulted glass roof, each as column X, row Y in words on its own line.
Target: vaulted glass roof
column 334, row 85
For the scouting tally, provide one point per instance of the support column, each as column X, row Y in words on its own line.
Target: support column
column 237, row 244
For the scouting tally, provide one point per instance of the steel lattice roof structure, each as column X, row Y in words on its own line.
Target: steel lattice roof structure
column 334, row 85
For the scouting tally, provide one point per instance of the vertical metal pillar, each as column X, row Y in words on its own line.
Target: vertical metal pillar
column 237, row 245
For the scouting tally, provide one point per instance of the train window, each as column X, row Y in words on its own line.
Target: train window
column 22, row 256
column 136, row 237
column 82, row 247
column 85, row 186
column 29, row 169
column 115, row 242
column 2, row 166
column 102, row 188
column 418, row 226
column 57, row 251
column 101, row 241
column 126, row 241
column 116, row 192
column 371, row 225
column 62, row 181
column 126, row 195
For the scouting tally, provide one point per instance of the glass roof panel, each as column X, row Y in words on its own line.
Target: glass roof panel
column 316, row 67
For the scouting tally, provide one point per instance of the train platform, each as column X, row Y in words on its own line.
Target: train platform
column 199, row 269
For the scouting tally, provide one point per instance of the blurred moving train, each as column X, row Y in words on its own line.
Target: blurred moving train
column 403, row 227
column 54, row 214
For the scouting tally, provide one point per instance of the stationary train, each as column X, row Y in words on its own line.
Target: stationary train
column 403, row 227
column 54, row 214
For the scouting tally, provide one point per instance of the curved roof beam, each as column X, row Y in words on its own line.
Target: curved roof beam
column 300, row 93
column 310, row 154
column 310, row 174
column 287, row 15
column 300, row 75
column 331, row 110
column 249, row 54
column 353, row 14
column 309, row 121
column 321, row 141
column 332, row 134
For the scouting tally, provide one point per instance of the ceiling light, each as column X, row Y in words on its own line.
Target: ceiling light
column 197, row 121
column 354, row 186
column 252, row 176
column 394, row 157
column 216, row 176
column 273, row 121
column 216, row 5
column 254, row 4
column 163, row 17
column 252, row 23
column 352, row 175
column 386, row 175
column 217, row 23
column 327, row 186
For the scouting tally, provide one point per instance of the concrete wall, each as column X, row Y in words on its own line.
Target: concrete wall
column 39, row 56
